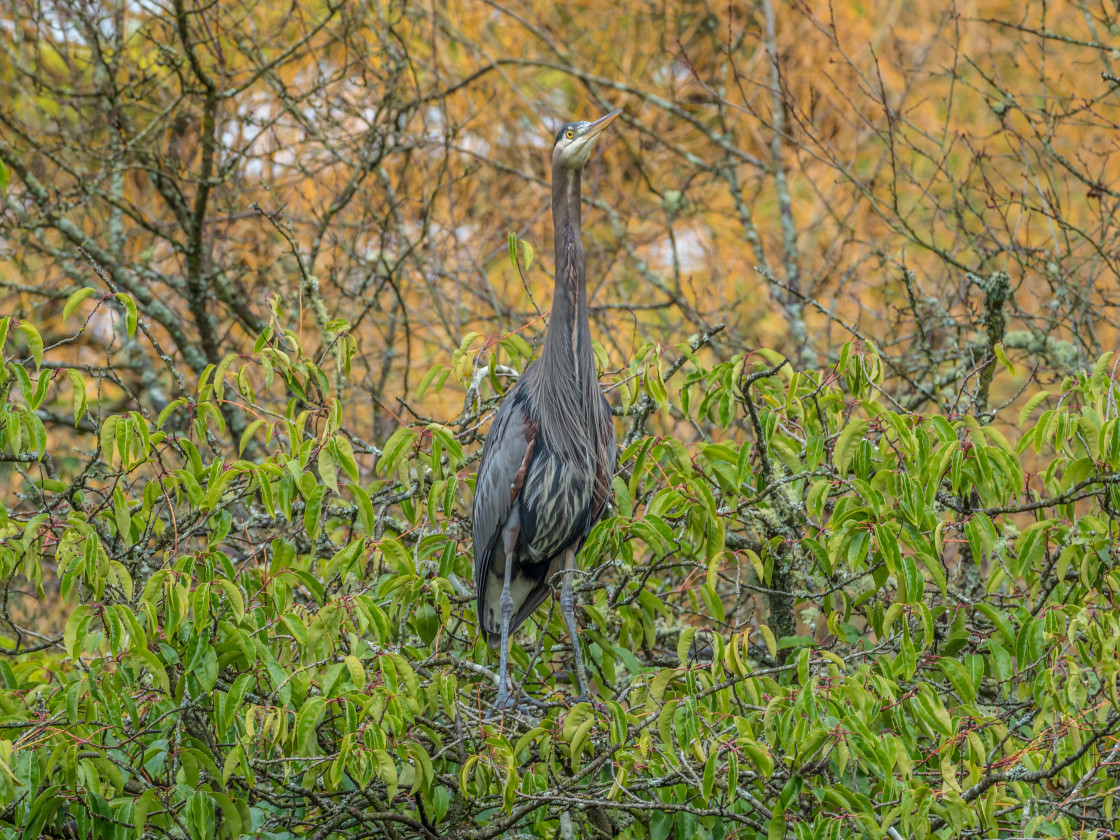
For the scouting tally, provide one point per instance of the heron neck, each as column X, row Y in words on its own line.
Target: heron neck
column 569, row 334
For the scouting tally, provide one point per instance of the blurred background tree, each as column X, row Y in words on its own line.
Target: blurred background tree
column 798, row 173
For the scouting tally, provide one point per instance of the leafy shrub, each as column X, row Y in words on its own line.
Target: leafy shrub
column 827, row 618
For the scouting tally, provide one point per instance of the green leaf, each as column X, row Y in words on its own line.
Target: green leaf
column 79, row 400
column 311, row 519
column 528, row 250
column 394, row 450
column 74, row 629
column 1099, row 376
column 760, row 758
column 913, row 581
column 365, row 507
column 190, row 483
column 3, row 178
column 655, row 387
column 933, row 565
column 246, row 435
column 387, row 771
column 959, row 677
column 231, row 817
column 437, row 374
column 709, row 779
column 34, row 342
column 40, row 390
column 23, row 380
column 575, row 718
column 580, row 739
column 327, row 470
column 811, row 746
column 1003, row 626
column 943, row 429
column 357, row 671
column 219, row 379
column 848, row 443
column 130, row 312
column 425, row 771
column 818, row 496
column 1000, row 662
column 41, row 810
column 218, row 486
column 1031, row 405
column 75, row 300
column 233, row 595
column 155, row 668
column 660, row 824
column 140, row 811
column 122, row 516
column 684, row 644
column 1028, row 643
column 513, row 249
column 768, row 638
column 1002, row 356
column 167, row 411
column 344, row 453
column 306, row 721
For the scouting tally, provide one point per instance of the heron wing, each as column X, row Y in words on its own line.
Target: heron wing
column 558, row 509
column 532, row 500
column 505, row 461
column 608, row 455
column 558, row 501
column 566, row 494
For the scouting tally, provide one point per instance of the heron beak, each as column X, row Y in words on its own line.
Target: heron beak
column 596, row 128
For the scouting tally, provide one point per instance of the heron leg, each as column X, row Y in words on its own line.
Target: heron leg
column 568, row 609
column 505, row 699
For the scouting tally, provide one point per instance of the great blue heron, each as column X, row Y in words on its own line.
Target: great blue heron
column 548, row 460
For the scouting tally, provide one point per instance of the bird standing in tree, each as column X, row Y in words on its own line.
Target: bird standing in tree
column 547, row 464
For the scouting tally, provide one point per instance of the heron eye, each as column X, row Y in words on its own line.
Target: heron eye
column 569, row 134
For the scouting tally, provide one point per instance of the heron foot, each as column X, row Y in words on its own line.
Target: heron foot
column 503, row 703
column 507, row 704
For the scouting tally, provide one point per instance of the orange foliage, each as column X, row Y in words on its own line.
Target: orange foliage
column 367, row 162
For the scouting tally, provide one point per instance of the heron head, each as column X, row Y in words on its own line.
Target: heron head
column 575, row 140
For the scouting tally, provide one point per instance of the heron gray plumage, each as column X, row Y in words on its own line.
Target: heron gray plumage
column 548, row 460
